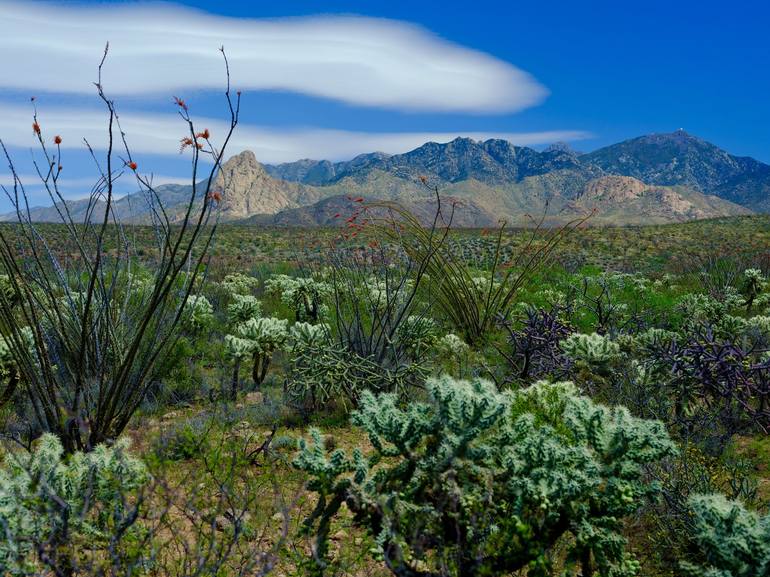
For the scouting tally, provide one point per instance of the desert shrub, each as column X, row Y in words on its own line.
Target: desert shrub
column 727, row 540
column 668, row 522
column 478, row 482
column 534, row 347
column 57, row 509
column 472, row 303
column 99, row 330
column 183, row 441
column 324, row 375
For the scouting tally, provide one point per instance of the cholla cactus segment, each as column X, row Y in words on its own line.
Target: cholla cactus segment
column 238, row 348
column 268, row 333
column 198, row 313
column 239, row 284
column 451, row 345
column 243, row 308
column 593, row 349
column 733, row 542
column 308, row 335
column 92, row 487
column 522, row 470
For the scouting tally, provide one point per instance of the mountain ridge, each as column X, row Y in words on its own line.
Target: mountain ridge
column 665, row 177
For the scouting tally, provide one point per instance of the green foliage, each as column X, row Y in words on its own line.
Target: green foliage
column 52, row 505
column 479, row 482
column 731, row 541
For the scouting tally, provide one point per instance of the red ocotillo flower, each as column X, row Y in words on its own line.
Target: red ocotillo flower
column 184, row 143
column 132, row 165
column 35, row 127
column 57, row 139
column 216, row 196
column 180, row 103
column 205, row 134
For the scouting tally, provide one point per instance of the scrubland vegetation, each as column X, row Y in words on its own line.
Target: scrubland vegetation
column 409, row 401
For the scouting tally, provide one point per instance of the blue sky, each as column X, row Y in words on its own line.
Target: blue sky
column 592, row 73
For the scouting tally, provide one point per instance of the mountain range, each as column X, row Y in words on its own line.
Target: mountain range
column 656, row 178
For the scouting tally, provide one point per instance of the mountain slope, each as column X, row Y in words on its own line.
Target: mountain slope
column 679, row 158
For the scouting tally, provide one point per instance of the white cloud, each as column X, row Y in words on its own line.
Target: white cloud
column 161, row 48
column 160, row 134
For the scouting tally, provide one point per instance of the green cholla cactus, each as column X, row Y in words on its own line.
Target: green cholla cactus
column 593, row 349
column 753, row 285
column 306, row 335
column 478, row 482
column 303, row 295
column 731, row 541
column 59, row 507
column 260, row 337
column 417, row 333
column 239, row 284
column 9, row 371
column 451, row 345
column 243, row 308
column 198, row 314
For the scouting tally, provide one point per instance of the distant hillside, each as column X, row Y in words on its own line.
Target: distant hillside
column 656, row 178
column 681, row 159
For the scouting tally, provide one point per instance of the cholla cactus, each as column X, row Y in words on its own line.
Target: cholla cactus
column 237, row 350
column 593, row 350
column 57, row 508
column 9, row 371
column 239, row 284
column 489, row 482
column 753, row 285
column 198, row 314
column 417, row 333
column 264, row 336
column 731, row 541
column 303, row 295
column 306, row 335
column 451, row 345
column 243, row 308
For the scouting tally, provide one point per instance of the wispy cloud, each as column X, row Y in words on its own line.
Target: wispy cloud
column 160, row 134
column 160, row 48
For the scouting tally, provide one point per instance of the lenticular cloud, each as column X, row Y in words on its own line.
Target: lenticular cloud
column 167, row 49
